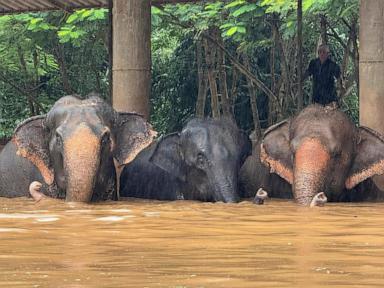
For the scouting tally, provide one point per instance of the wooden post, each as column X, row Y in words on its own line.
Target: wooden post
column 110, row 51
column 132, row 56
column 371, row 66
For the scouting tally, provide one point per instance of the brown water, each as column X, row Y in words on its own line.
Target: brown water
column 190, row 244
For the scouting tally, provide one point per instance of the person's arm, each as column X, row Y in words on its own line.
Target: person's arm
column 337, row 71
column 309, row 71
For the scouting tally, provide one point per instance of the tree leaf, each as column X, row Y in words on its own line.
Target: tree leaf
column 231, row 31
column 234, row 4
column 244, row 9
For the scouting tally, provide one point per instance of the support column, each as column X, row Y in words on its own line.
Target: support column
column 371, row 67
column 131, row 56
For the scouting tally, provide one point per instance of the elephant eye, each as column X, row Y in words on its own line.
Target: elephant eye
column 59, row 139
column 105, row 139
column 336, row 154
column 201, row 160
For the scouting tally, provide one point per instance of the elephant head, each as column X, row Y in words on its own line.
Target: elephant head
column 321, row 150
column 78, row 144
column 206, row 154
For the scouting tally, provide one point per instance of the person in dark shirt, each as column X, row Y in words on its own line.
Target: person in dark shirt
column 324, row 72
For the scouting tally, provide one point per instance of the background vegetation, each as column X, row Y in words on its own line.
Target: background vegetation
column 44, row 56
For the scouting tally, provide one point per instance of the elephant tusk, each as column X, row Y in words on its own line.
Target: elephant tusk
column 319, row 200
column 34, row 190
column 261, row 195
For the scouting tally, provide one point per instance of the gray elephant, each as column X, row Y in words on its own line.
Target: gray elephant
column 321, row 150
column 199, row 163
column 73, row 150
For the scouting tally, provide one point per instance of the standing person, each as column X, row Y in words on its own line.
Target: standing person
column 324, row 72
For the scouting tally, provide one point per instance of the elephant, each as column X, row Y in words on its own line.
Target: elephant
column 254, row 175
column 321, row 150
column 75, row 151
column 199, row 163
column 3, row 142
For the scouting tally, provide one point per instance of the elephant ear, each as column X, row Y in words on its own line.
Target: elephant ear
column 31, row 141
column 168, row 156
column 275, row 150
column 369, row 158
column 132, row 134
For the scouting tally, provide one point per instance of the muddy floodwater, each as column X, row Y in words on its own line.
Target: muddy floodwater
column 190, row 244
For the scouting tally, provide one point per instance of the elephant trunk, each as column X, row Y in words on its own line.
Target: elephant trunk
column 226, row 188
column 81, row 162
column 311, row 162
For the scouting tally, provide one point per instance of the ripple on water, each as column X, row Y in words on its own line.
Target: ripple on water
column 26, row 216
column 151, row 214
column 191, row 244
column 18, row 230
column 47, row 219
column 113, row 218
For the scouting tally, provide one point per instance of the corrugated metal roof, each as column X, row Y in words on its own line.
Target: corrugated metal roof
column 20, row 6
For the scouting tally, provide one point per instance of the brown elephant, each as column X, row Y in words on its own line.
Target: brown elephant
column 73, row 151
column 321, row 150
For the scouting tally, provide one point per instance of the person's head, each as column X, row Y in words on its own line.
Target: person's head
column 323, row 52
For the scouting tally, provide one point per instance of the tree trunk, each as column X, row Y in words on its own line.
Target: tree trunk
column 202, row 79
column 323, row 29
column 355, row 50
column 300, row 99
column 226, row 107
column 209, row 59
column 253, row 101
column 283, row 60
column 271, row 104
column 59, row 53
column 233, row 94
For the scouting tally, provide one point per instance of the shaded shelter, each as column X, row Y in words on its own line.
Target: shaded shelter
column 130, row 34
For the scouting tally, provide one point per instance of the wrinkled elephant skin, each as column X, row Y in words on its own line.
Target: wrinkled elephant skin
column 322, row 150
column 255, row 175
column 71, row 151
column 199, row 163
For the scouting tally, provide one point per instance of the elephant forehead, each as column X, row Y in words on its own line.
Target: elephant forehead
column 333, row 126
column 311, row 154
column 76, row 113
column 82, row 138
column 220, row 151
column 195, row 137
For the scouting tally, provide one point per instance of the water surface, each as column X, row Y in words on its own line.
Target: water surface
column 140, row 243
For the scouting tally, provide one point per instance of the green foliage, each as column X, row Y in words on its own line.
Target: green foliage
column 35, row 48
column 173, row 78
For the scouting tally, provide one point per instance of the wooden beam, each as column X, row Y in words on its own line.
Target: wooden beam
column 60, row 5
column 21, row 6
column 164, row 2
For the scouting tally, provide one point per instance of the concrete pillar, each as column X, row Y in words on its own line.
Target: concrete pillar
column 371, row 67
column 131, row 56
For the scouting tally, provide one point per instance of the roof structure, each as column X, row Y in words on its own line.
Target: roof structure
column 21, row 6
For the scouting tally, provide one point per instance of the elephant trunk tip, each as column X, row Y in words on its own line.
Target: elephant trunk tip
column 261, row 195
column 234, row 199
column 319, row 200
column 228, row 198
